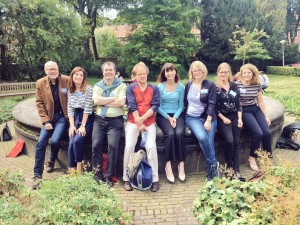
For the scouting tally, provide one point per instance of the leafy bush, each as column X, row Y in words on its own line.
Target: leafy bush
column 66, row 200
column 279, row 70
column 7, row 104
column 275, row 200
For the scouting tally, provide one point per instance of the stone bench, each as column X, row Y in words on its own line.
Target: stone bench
column 17, row 89
column 27, row 126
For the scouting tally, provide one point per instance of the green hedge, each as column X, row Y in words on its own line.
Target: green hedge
column 280, row 70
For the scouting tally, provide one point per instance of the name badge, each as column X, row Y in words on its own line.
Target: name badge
column 64, row 90
column 242, row 91
column 232, row 93
column 203, row 91
column 79, row 93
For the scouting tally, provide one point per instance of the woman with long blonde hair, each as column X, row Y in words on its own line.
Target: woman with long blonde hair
column 229, row 112
column 199, row 100
column 255, row 116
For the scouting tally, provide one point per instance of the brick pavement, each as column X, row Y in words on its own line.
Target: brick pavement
column 171, row 205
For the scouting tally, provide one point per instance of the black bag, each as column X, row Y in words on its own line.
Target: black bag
column 5, row 134
column 286, row 141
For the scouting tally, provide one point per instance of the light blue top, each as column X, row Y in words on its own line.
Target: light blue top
column 171, row 102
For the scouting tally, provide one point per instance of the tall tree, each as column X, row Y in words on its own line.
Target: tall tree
column 89, row 11
column 219, row 21
column 292, row 18
column 7, row 12
column 248, row 46
column 163, row 34
column 107, row 44
column 53, row 33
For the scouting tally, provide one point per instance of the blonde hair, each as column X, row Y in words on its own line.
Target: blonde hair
column 134, row 70
column 224, row 66
column 254, row 70
column 201, row 66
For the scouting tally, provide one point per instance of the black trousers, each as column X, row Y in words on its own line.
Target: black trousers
column 230, row 133
column 106, row 130
column 255, row 121
column 174, row 138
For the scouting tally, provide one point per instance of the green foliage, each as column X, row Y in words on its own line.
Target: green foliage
column 162, row 35
column 224, row 201
column 7, row 105
column 43, row 30
column 107, row 44
column 248, row 46
column 280, row 70
column 70, row 199
column 219, row 21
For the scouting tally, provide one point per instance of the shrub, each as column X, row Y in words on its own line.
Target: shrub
column 69, row 199
column 7, row 105
column 280, row 70
column 275, row 200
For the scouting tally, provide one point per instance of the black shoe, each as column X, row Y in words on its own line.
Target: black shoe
column 36, row 182
column 154, row 187
column 109, row 183
column 99, row 179
column 49, row 167
column 238, row 176
column 127, row 186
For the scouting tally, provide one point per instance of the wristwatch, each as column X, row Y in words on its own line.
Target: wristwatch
column 83, row 124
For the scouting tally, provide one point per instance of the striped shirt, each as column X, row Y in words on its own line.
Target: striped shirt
column 80, row 100
column 249, row 93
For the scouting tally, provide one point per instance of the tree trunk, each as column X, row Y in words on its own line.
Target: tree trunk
column 94, row 46
column 4, row 64
column 86, row 47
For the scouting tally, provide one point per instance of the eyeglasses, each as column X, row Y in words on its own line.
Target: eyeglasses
column 196, row 71
column 224, row 72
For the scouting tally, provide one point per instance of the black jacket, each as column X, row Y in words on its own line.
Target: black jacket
column 208, row 99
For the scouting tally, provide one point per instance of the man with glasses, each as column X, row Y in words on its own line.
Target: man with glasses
column 51, row 102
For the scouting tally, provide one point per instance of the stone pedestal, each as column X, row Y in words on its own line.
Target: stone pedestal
column 27, row 125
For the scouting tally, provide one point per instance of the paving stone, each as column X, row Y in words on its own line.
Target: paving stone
column 172, row 204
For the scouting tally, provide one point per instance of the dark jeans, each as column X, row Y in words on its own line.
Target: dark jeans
column 76, row 143
column 174, row 138
column 60, row 125
column 230, row 133
column 254, row 120
column 109, row 129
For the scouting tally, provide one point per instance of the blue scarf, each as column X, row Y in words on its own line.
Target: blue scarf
column 106, row 92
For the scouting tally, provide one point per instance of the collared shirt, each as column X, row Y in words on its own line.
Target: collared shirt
column 55, row 95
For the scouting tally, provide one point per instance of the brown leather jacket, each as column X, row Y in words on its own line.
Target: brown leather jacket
column 44, row 99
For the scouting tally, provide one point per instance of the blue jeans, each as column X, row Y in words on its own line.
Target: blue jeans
column 76, row 143
column 60, row 125
column 205, row 139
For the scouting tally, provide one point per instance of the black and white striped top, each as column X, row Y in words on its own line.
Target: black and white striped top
column 249, row 93
column 80, row 100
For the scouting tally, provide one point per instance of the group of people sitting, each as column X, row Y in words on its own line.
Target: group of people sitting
column 67, row 102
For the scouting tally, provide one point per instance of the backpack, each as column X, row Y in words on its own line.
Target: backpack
column 5, row 134
column 287, row 137
column 142, row 179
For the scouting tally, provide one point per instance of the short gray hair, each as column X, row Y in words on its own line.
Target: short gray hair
column 110, row 64
column 50, row 63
